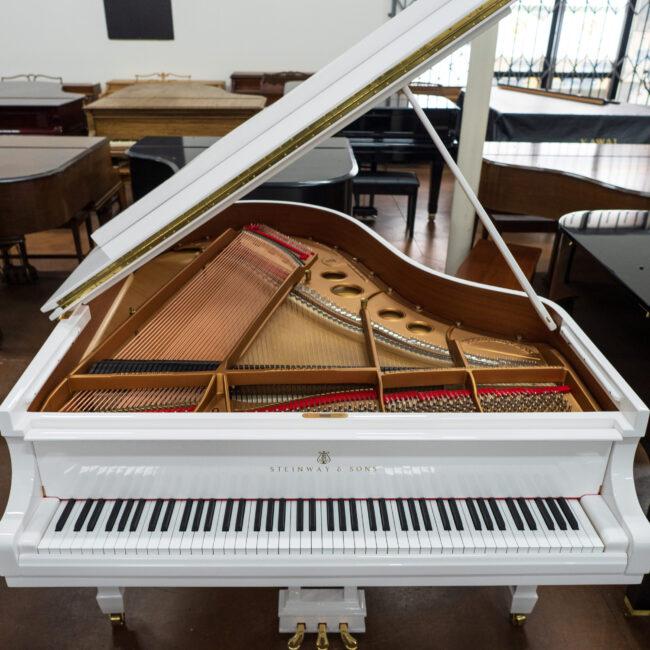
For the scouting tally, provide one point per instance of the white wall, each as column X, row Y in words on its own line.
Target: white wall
column 213, row 38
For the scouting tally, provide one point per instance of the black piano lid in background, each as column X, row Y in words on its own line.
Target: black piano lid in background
column 526, row 117
column 323, row 176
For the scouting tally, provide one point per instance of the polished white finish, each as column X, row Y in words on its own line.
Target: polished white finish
column 329, row 606
column 524, row 599
column 110, row 600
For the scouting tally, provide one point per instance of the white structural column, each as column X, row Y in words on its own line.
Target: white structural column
column 476, row 107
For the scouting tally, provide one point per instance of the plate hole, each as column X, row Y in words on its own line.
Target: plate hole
column 391, row 314
column 419, row 328
column 347, row 290
column 334, row 275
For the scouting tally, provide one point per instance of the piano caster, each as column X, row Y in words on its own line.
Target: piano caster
column 322, row 643
column 518, row 620
column 118, row 620
column 349, row 642
column 296, row 640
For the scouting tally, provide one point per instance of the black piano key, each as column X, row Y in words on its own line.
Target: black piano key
column 557, row 515
column 489, row 524
column 330, row 515
column 300, row 512
column 270, row 509
column 372, row 520
column 566, row 511
column 92, row 522
column 354, row 520
column 64, row 515
column 136, row 515
column 515, row 513
column 185, row 519
column 496, row 513
column 544, row 513
column 167, row 519
column 112, row 518
column 426, row 520
column 239, row 522
column 257, row 525
column 312, row 515
column 403, row 524
column 383, row 513
column 227, row 516
column 198, row 513
column 155, row 515
column 443, row 514
column 82, row 515
column 528, row 516
column 473, row 514
column 343, row 524
column 415, row 522
column 455, row 514
column 209, row 516
column 282, row 515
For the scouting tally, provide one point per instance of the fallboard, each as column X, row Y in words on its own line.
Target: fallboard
column 321, row 468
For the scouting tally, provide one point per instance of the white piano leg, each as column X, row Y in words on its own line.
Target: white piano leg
column 524, row 598
column 111, row 602
column 340, row 610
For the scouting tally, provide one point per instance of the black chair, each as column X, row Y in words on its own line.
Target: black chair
column 388, row 182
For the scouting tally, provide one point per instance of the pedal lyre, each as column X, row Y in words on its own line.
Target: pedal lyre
column 296, row 640
column 322, row 642
column 349, row 641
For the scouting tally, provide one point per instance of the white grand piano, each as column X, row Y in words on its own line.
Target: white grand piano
column 266, row 393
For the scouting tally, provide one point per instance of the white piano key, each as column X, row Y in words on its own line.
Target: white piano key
column 487, row 536
column 165, row 539
column 176, row 538
column 465, row 535
column 142, row 542
column 369, row 536
column 273, row 541
column 594, row 543
column 317, row 535
column 359, row 536
column 97, row 538
column 338, row 544
column 541, row 540
column 263, row 534
column 478, row 545
column 64, row 539
column 240, row 542
column 515, row 540
column 403, row 542
column 327, row 535
column 305, row 535
column 219, row 537
column 294, row 534
column 284, row 537
column 392, row 541
column 131, row 546
column 230, row 538
column 250, row 545
column 199, row 535
column 438, row 531
column 413, row 536
column 112, row 535
column 348, row 535
column 50, row 533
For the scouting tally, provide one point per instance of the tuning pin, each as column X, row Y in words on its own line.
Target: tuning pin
column 349, row 641
column 321, row 640
column 296, row 640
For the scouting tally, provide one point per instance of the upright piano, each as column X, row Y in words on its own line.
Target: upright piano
column 258, row 393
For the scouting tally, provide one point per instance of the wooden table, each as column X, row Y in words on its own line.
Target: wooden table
column 119, row 84
column 169, row 109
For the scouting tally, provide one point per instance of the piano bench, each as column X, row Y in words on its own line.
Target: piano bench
column 388, row 182
column 486, row 265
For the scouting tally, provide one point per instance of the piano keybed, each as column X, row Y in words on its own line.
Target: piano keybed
column 260, row 321
column 310, row 526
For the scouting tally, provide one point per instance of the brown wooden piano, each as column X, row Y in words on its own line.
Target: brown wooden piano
column 40, row 107
column 169, row 109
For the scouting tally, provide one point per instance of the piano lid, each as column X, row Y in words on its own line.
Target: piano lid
column 386, row 60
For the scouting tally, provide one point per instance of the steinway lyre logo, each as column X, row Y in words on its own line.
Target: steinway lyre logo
column 323, row 457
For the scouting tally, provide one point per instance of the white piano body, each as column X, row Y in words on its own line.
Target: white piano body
column 444, row 466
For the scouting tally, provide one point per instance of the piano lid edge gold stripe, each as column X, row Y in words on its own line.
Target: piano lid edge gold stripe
column 360, row 97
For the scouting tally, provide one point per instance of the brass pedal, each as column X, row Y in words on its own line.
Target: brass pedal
column 297, row 639
column 322, row 642
column 518, row 620
column 117, row 620
column 349, row 642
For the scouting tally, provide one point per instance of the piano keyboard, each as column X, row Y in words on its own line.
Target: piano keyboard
column 313, row 526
